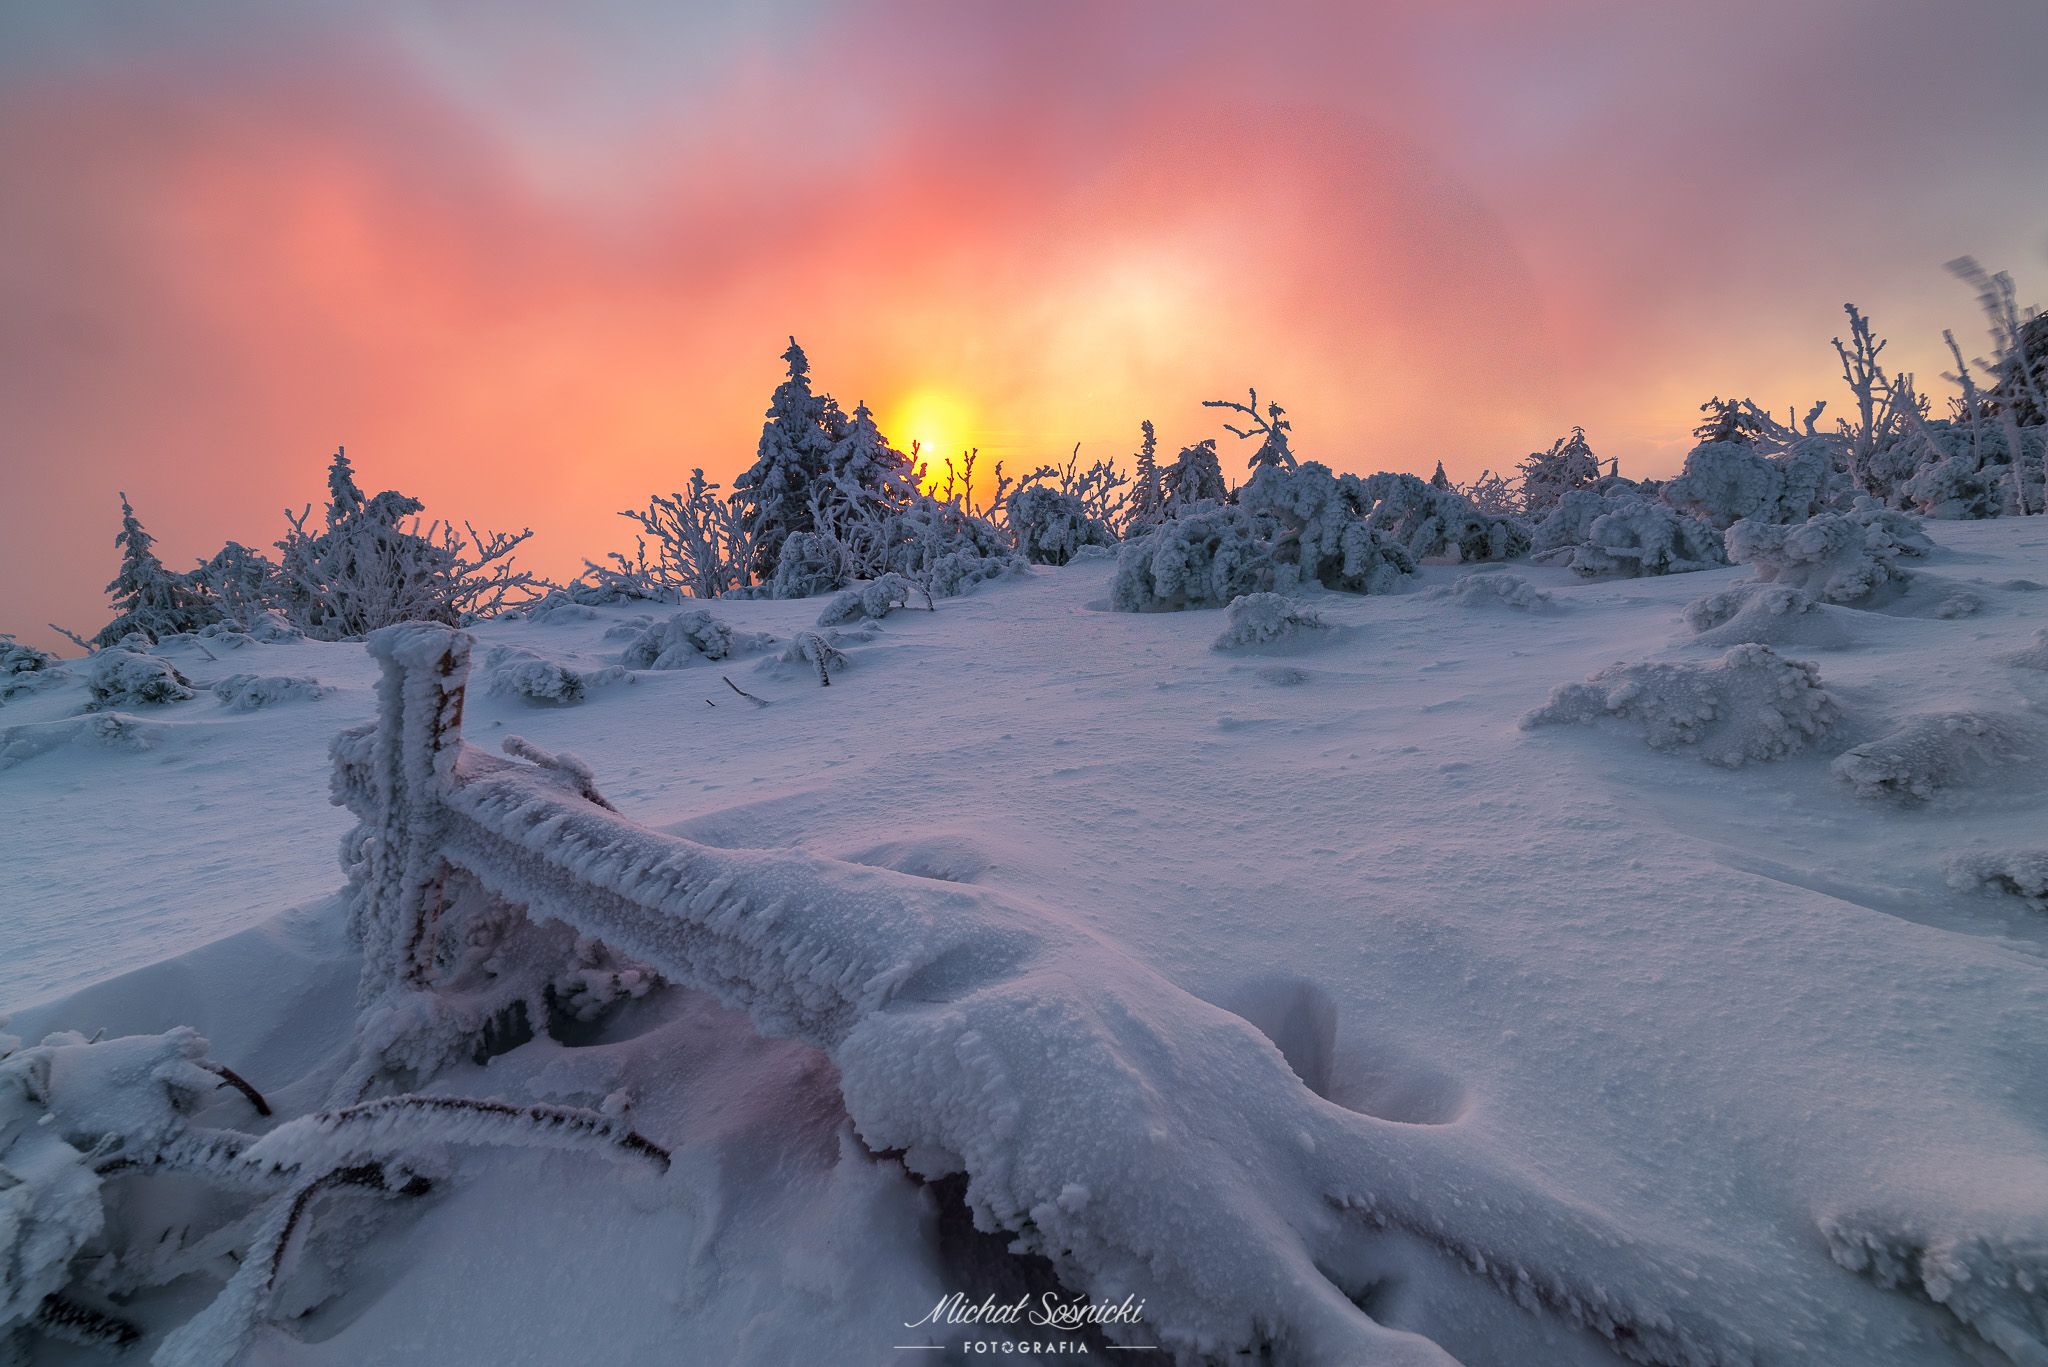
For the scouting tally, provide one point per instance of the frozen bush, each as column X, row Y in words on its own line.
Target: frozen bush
column 514, row 673
column 22, row 668
column 807, row 564
column 1051, row 526
column 685, row 638
column 1635, row 537
column 122, row 678
column 1319, row 523
column 2019, row 873
column 1427, row 521
column 1934, row 752
column 1502, row 590
column 1725, row 482
column 876, row 600
column 1261, row 618
column 1751, row 704
column 1831, row 556
column 944, row 550
column 1773, row 614
column 248, row 692
column 1203, row 559
column 810, row 649
column 1941, row 469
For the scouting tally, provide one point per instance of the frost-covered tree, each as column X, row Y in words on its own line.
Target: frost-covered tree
column 1548, row 475
column 1195, row 477
column 1427, row 521
column 1270, row 429
column 863, row 470
column 794, row 454
column 1440, row 480
column 703, row 546
column 1734, row 420
column 241, row 583
column 149, row 599
column 373, row 564
column 1147, row 494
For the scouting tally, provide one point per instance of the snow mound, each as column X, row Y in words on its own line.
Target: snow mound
column 122, row 678
column 2020, row 873
column 1262, row 618
column 1764, row 614
column 1497, row 590
column 104, row 730
column 685, row 638
column 1833, row 556
column 1634, row 537
column 248, row 692
column 1935, row 752
column 513, row 672
column 1751, row 704
column 873, row 601
column 2034, row 656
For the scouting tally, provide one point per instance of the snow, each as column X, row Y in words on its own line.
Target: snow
column 1261, row 1004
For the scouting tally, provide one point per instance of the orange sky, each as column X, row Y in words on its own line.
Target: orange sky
column 531, row 274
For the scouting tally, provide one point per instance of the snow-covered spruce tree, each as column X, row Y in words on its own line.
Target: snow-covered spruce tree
column 1440, row 480
column 1548, row 475
column 865, row 477
column 1049, row 526
column 1270, row 429
column 1194, row 478
column 774, row 493
column 1148, row 495
column 373, row 565
column 148, row 599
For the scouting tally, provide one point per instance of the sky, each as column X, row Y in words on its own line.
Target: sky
column 533, row 262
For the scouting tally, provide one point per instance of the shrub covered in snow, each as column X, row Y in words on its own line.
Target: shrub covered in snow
column 2018, row 873
column 1051, row 526
column 1322, row 533
column 122, row 678
column 685, row 638
column 1833, row 556
column 248, row 692
column 1929, row 754
column 1203, row 559
column 1428, row 521
column 514, row 673
column 1261, row 618
column 1945, row 469
column 807, row 564
column 1632, row 536
column 875, row 601
column 1751, row 704
column 1726, row 481
column 21, row 667
column 1497, row 589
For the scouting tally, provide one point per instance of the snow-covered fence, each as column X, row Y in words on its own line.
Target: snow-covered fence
column 1145, row 1141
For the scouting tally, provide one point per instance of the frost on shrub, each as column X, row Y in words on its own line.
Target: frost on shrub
column 1726, row 481
column 1497, row 590
column 122, row 678
column 1051, row 526
column 1321, row 530
column 1261, row 618
column 1203, row 559
column 1751, row 704
column 1634, row 537
column 1764, row 614
column 22, row 667
column 1929, row 754
column 685, row 638
column 248, row 692
column 807, row 564
column 515, row 673
column 873, row 601
column 1428, row 521
column 1832, row 556
column 1941, row 468
column 2018, row 873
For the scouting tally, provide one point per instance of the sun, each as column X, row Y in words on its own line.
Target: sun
column 940, row 421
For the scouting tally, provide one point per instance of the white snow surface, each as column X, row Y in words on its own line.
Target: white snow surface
column 1579, row 1051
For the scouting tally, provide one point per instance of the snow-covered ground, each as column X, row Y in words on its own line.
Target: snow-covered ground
column 1722, row 1061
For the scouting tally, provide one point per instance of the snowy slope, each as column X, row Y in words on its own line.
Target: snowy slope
column 1741, row 1013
